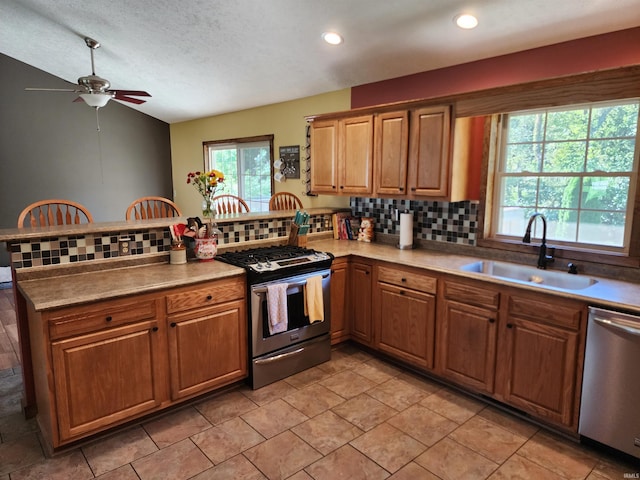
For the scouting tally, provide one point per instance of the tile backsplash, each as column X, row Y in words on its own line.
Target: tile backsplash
column 453, row 222
column 43, row 252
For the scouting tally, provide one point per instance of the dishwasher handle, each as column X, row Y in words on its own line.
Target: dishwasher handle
column 620, row 325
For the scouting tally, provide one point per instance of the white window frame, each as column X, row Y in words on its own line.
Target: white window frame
column 240, row 145
column 499, row 175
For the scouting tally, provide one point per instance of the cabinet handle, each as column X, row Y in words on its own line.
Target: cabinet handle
column 209, row 297
column 401, row 292
column 401, row 189
column 509, row 325
column 492, row 320
column 172, row 324
column 413, row 189
column 109, row 318
column 333, row 186
column 155, row 329
column 403, row 279
column 341, row 186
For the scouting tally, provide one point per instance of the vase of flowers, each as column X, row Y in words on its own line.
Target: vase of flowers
column 207, row 184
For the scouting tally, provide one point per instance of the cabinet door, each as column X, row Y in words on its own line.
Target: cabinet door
column 391, row 139
column 356, row 155
column 467, row 339
column 207, row 348
column 405, row 324
column 324, row 156
column 540, row 364
column 360, row 296
column 107, row 377
column 429, row 152
column 339, row 295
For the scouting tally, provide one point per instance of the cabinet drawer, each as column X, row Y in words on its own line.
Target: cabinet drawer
column 461, row 292
column 406, row 279
column 206, row 295
column 99, row 316
column 548, row 311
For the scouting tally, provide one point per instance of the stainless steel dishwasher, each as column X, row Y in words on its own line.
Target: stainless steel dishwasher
column 610, row 410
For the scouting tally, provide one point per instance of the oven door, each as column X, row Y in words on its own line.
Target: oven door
column 298, row 328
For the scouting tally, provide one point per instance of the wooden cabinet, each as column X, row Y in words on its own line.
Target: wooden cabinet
column 340, row 304
column 404, row 313
column 429, row 141
column 342, row 156
column 214, row 319
column 391, row 137
column 360, row 286
column 467, row 334
column 106, row 363
column 541, row 356
column 324, row 156
column 400, row 153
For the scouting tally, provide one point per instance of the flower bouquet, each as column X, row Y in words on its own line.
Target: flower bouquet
column 205, row 233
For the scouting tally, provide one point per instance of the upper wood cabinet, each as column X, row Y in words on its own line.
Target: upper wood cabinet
column 401, row 153
column 391, row 136
column 429, row 166
column 324, row 155
column 342, row 156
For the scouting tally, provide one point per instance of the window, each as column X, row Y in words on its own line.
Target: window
column 577, row 166
column 247, row 167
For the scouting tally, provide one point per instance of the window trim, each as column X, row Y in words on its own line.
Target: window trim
column 499, row 174
column 492, row 144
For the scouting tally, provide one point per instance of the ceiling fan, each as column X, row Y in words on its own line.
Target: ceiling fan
column 94, row 90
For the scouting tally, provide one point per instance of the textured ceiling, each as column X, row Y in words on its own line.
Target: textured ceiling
column 206, row 57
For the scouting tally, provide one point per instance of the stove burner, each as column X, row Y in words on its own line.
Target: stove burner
column 283, row 259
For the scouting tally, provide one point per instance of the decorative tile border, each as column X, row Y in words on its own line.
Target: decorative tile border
column 453, row 222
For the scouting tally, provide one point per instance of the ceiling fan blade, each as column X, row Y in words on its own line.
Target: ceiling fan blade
column 135, row 93
column 124, row 98
column 51, row 90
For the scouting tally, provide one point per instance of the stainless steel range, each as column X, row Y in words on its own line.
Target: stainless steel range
column 285, row 337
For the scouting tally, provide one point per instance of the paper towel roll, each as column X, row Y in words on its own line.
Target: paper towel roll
column 406, row 230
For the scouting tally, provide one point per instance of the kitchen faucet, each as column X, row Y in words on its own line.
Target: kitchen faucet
column 543, row 258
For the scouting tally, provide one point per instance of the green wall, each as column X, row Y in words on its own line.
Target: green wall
column 284, row 120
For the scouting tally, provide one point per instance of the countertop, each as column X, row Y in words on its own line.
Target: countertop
column 67, row 290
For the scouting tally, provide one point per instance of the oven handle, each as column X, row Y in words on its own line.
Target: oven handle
column 275, row 358
column 290, row 285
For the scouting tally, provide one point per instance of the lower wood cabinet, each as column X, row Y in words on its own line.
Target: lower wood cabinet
column 106, row 376
column 519, row 347
column 340, row 305
column 221, row 356
column 540, row 361
column 360, row 286
column 467, row 334
column 103, row 364
column 404, row 315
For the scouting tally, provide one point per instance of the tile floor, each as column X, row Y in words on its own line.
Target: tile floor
column 355, row 417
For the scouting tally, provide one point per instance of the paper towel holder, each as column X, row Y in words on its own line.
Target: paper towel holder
column 398, row 245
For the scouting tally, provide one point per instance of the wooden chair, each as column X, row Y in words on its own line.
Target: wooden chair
column 152, row 207
column 54, row 212
column 285, row 201
column 230, row 204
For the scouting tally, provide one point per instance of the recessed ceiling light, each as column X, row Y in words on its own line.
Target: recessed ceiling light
column 332, row 38
column 466, row 21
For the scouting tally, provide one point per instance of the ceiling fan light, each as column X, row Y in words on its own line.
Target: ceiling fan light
column 96, row 100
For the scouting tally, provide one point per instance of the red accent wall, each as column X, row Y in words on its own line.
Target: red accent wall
column 600, row 52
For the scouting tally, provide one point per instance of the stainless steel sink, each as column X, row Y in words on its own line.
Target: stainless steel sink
column 530, row 275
